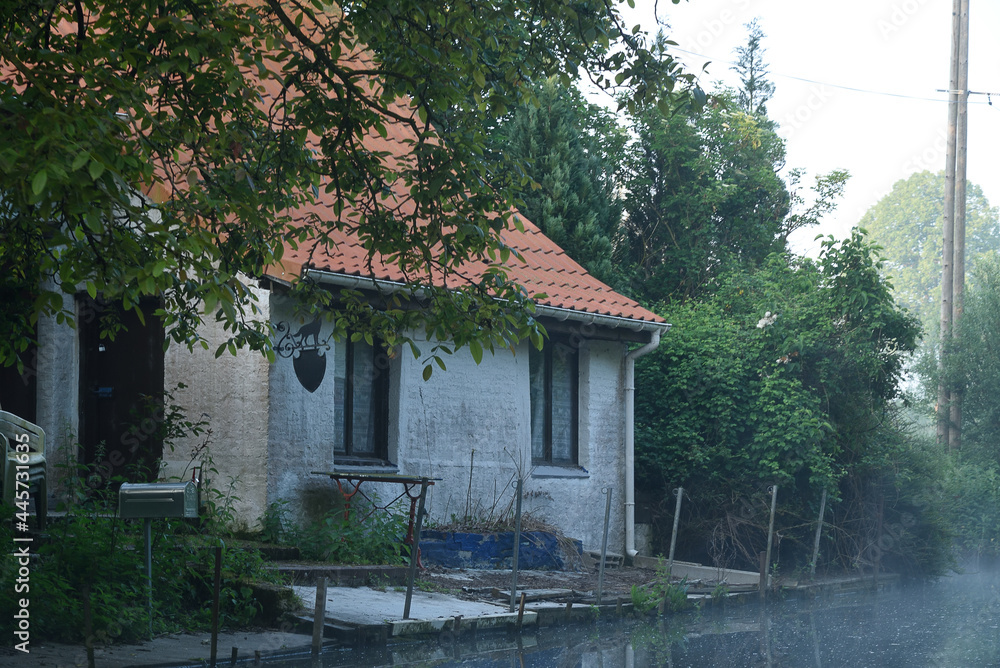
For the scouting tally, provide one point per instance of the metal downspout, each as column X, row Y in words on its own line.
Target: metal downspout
column 630, row 358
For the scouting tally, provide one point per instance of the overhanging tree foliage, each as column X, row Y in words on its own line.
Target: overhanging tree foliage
column 159, row 149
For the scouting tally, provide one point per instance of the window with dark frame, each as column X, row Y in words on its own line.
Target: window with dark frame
column 361, row 396
column 554, row 372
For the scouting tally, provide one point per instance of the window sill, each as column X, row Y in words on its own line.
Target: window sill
column 550, row 471
column 373, row 468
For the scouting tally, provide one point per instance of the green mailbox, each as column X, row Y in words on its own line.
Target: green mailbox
column 158, row 499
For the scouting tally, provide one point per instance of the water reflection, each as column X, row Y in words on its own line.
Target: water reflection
column 953, row 622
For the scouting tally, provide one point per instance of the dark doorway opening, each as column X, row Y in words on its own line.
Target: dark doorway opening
column 121, row 393
column 18, row 390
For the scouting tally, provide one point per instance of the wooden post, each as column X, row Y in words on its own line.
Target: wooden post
column 517, row 543
column 216, row 589
column 673, row 534
column 878, row 540
column 948, row 241
column 148, row 530
column 819, row 532
column 770, row 530
column 415, row 548
column 604, row 544
column 319, row 615
column 88, row 626
column 961, row 152
column 762, row 567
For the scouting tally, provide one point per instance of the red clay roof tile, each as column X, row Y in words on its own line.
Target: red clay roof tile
column 546, row 268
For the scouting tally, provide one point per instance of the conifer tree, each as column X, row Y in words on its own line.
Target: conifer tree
column 755, row 89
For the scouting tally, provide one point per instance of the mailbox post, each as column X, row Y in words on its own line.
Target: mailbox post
column 153, row 500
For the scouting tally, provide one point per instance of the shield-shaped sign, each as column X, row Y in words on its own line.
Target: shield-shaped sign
column 310, row 367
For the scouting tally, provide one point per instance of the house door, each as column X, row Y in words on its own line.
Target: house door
column 121, row 393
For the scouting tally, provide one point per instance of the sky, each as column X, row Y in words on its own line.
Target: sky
column 856, row 85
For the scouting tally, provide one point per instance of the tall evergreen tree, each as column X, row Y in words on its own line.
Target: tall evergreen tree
column 755, row 89
column 571, row 151
column 704, row 196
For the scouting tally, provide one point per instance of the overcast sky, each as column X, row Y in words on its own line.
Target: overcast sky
column 895, row 53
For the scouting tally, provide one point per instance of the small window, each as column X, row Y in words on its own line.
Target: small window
column 361, row 396
column 554, row 374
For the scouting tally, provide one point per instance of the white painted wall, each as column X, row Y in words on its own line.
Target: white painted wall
column 58, row 396
column 232, row 392
column 577, row 505
column 463, row 409
column 437, row 425
column 300, row 436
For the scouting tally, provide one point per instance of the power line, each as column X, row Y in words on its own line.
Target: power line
column 853, row 89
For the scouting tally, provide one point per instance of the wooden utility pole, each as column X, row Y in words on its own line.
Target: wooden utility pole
column 962, row 144
column 953, row 246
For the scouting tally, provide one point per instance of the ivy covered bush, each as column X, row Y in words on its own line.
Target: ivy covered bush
column 787, row 375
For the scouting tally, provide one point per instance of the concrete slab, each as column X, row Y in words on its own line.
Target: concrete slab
column 691, row 571
column 413, row 627
column 364, row 605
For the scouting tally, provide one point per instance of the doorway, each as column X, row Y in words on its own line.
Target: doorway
column 121, row 392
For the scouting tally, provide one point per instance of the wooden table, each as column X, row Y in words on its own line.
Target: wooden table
column 409, row 483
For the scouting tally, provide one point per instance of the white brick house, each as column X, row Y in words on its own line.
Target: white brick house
column 562, row 417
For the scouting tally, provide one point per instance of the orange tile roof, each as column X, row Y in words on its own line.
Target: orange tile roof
column 545, row 270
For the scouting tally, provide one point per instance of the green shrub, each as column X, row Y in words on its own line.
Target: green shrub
column 357, row 538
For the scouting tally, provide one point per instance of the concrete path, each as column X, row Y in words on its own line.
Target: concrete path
column 174, row 649
column 364, row 605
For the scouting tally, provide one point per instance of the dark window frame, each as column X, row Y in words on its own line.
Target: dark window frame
column 546, row 354
column 345, row 452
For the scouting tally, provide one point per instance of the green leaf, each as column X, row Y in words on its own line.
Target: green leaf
column 95, row 169
column 477, row 350
column 428, row 370
column 39, row 181
column 80, row 160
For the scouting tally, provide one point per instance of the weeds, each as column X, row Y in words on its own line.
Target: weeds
column 661, row 593
column 92, row 557
column 434, row 587
column 720, row 592
column 338, row 537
